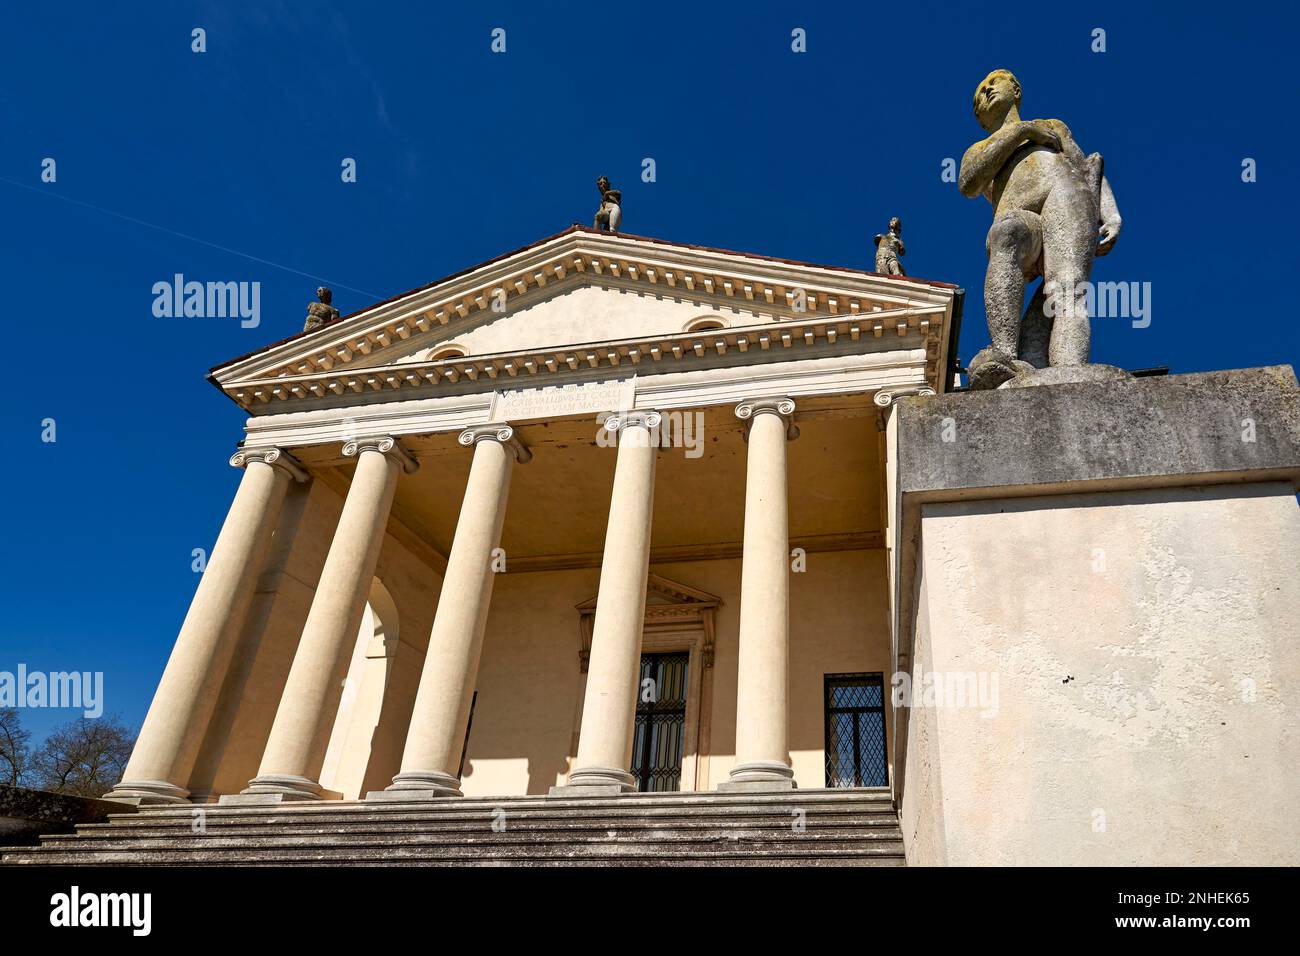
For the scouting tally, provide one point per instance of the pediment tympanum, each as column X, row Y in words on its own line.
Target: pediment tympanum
column 583, row 303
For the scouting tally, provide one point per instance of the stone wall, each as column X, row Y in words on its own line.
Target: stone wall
column 1136, row 596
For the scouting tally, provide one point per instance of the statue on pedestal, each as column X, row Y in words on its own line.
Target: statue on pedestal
column 610, row 213
column 889, row 249
column 1053, row 211
column 319, row 313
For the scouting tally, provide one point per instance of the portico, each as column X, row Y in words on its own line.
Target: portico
column 402, row 608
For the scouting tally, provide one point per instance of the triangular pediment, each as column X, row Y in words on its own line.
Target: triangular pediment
column 663, row 592
column 579, row 301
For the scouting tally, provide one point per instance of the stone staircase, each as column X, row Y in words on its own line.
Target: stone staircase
column 800, row 828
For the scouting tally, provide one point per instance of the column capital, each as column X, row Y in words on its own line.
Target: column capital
column 385, row 445
column 632, row 418
column 886, row 396
column 275, row 457
column 778, row 405
column 497, row 432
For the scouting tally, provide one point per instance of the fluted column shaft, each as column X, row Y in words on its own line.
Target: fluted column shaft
column 609, row 707
column 762, row 683
column 295, row 750
column 165, row 751
column 431, row 759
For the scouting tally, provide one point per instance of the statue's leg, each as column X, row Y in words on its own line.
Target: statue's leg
column 1036, row 330
column 1014, row 245
column 615, row 217
column 1069, row 243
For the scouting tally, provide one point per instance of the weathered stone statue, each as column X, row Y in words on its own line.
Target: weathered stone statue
column 610, row 213
column 1053, row 210
column 318, row 313
column 889, row 249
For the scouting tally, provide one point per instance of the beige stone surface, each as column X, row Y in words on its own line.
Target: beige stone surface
column 609, row 703
column 305, row 715
column 442, row 705
column 173, row 730
column 763, row 677
column 1145, row 647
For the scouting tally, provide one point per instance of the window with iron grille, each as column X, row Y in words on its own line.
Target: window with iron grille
column 855, row 731
column 660, row 722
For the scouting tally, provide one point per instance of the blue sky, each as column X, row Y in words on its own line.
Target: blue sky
column 462, row 154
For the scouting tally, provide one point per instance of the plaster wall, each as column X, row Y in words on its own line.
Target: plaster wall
column 530, row 684
column 1145, row 648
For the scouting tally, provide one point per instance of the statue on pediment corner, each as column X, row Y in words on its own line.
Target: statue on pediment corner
column 322, row 312
column 1053, row 213
column 610, row 213
column 889, row 249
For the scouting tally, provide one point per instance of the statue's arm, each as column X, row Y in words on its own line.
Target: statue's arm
column 983, row 161
column 1110, row 219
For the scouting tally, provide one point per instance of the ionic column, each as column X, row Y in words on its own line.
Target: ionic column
column 762, row 683
column 609, row 706
column 300, row 734
column 165, row 751
column 430, row 762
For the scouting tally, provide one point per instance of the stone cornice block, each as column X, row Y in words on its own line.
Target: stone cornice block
column 1203, row 428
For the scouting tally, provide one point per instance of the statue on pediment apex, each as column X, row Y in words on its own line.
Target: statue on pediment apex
column 610, row 213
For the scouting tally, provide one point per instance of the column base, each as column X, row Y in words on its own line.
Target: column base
column 596, row 782
column 273, row 788
column 417, row 787
column 759, row 776
column 148, row 793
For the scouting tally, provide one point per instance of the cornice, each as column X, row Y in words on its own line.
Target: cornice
column 768, row 285
column 855, row 374
column 915, row 327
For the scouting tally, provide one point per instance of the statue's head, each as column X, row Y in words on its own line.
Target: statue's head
column 602, row 183
column 324, row 295
column 896, row 226
column 994, row 98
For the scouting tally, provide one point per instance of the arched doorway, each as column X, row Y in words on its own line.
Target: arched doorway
column 365, row 744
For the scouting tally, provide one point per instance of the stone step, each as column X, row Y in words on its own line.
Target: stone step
column 841, row 828
column 73, row 860
column 346, row 812
column 627, row 802
column 481, row 837
column 217, row 819
column 671, row 852
column 559, row 830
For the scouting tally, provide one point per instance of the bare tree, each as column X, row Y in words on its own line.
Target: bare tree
column 15, row 749
column 83, row 757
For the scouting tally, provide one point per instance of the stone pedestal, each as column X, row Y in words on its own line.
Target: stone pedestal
column 1096, row 592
